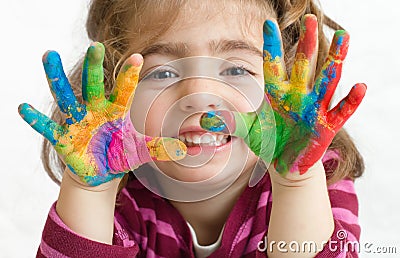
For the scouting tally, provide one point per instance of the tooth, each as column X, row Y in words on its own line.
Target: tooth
column 224, row 141
column 188, row 138
column 217, row 143
column 182, row 138
column 225, row 136
column 206, row 138
column 220, row 136
column 196, row 139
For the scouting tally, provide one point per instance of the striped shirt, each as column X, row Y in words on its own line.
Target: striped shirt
column 147, row 225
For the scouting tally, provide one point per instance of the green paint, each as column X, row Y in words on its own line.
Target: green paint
column 93, row 74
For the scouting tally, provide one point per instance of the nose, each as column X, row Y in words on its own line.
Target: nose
column 196, row 96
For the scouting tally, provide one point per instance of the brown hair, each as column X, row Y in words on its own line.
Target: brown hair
column 116, row 23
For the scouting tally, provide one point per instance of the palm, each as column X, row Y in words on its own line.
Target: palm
column 301, row 120
column 305, row 125
column 86, row 146
column 98, row 141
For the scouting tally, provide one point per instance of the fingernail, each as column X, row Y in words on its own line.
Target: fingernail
column 215, row 121
column 137, row 59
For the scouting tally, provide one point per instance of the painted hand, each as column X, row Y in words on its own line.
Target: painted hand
column 98, row 141
column 304, row 124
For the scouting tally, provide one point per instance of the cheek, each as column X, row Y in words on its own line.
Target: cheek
column 154, row 119
column 248, row 95
column 248, row 102
column 148, row 111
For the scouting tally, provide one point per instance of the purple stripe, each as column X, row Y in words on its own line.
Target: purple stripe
column 148, row 215
column 344, row 215
column 245, row 229
column 330, row 154
column 140, row 239
column 263, row 199
column 151, row 254
column 248, row 224
column 47, row 251
column 121, row 233
column 54, row 217
column 163, row 227
column 253, row 243
column 344, row 186
column 133, row 202
column 344, row 200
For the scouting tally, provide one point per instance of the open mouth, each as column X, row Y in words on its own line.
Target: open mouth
column 193, row 139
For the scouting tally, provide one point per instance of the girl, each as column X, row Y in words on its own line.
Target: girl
column 105, row 132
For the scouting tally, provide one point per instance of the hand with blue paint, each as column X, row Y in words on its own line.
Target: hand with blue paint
column 304, row 125
column 98, row 141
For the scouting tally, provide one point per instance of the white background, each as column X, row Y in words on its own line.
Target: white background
column 29, row 28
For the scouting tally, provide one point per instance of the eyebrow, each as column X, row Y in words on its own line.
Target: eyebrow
column 181, row 49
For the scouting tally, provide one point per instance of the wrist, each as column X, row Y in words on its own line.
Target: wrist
column 315, row 174
column 71, row 180
column 86, row 210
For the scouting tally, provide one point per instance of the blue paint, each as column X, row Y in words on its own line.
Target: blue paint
column 62, row 90
column 178, row 153
column 324, row 81
column 218, row 125
column 85, row 78
column 272, row 89
column 272, row 40
column 98, row 180
column 339, row 42
column 40, row 122
column 71, row 168
column 342, row 104
column 309, row 114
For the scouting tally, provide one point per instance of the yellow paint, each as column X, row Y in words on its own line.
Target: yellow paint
column 300, row 74
column 165, row 149
column 126, row 84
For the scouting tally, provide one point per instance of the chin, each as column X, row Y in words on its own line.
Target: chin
column 216, row 167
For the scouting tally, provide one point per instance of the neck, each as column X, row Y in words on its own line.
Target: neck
column 207, row 217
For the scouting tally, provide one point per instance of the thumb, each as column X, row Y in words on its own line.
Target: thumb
column 141, row 149
column 228, row 122
column 256, row 128
column 165, row 148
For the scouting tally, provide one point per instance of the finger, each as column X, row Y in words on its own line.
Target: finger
column 93, row 74
column 256, row 128
column 61, row 89
column 305, row 61
column 329, row 77
column 345, row 108
column 228, row 122
column 127, row 81
column 41, row 123
column 274, row 68
column 165, row 149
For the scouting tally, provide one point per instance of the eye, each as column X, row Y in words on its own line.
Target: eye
column 236, row 71
column 161, row 75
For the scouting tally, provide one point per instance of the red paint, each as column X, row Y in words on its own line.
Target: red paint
column 308, row 36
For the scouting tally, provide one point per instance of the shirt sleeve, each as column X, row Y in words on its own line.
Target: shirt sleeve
column 60, row 241
column 344, row 241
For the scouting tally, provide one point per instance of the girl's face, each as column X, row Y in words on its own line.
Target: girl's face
column 209, row 59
